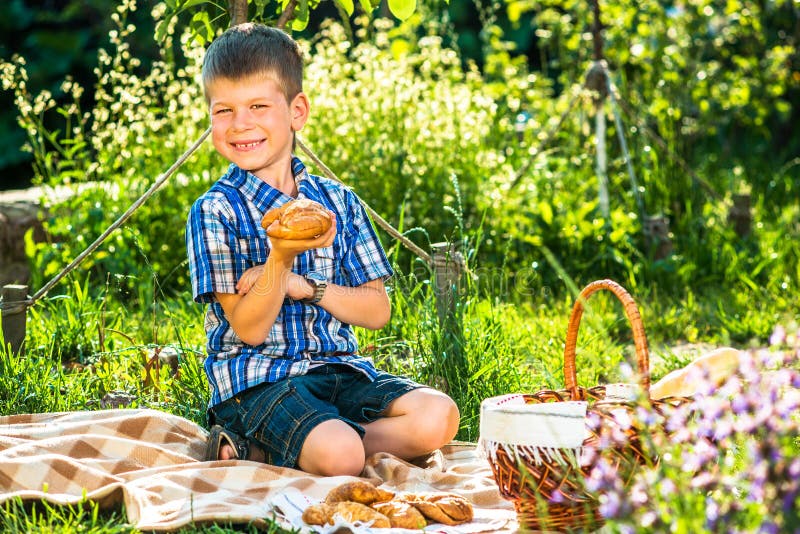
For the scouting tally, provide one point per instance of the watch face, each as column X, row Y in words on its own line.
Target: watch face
column 316, row 276
column 319, row 282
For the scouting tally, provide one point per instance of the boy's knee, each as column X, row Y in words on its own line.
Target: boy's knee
column 438, row 423
column 333, row 448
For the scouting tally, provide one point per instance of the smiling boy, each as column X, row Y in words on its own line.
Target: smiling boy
column 288, row 386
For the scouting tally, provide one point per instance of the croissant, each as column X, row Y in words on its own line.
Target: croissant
column 297, row 219
column 445, row 508
column 324, row 514
column 401, row 514
column 358, row 491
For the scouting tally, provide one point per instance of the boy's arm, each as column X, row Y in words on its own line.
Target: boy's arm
column 252, row 314
column 366, row 305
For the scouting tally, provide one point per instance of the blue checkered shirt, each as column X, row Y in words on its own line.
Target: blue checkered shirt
column 224, row 238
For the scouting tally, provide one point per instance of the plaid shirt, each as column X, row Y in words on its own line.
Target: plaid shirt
column 224, row 238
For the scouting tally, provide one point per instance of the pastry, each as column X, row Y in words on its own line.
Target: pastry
column 325, row 514
column 445, row 508
column 318, row 514
column 297, row 219
column 401, row 514
column 359, row 491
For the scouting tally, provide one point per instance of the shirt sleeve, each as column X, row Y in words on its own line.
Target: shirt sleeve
column 211, row 250
column 365, row 259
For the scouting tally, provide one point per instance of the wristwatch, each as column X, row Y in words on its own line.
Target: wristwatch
column 319, row 283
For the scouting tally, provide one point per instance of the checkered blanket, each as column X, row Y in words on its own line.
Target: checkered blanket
column 150, row 461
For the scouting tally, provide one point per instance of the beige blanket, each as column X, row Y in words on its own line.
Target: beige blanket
column 150, row 461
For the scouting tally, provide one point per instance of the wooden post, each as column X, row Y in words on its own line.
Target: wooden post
column 657, row 234
column 739, row 214
column 447, row 266
column 14, row 316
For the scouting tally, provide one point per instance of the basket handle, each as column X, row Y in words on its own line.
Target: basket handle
column 635, row 320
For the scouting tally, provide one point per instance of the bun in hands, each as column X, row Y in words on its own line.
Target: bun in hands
column 297, row 219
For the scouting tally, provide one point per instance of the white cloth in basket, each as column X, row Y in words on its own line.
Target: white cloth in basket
column 535, row 431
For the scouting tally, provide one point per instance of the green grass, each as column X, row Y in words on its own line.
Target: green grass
column 81, row 347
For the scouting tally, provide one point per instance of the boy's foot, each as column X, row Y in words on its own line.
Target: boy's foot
column 226, row 445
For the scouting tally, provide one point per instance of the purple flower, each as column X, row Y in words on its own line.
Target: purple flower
column 778, row 336
column 638, row 496
column 703, row 481
column 794, row 469
column 668, row 488
column 610, row 505
column 739, row 404
column 723, row 429
column 712, row 510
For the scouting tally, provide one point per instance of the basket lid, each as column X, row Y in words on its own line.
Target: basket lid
column 509, row 419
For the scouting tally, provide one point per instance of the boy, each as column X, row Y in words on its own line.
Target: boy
column 287, row 384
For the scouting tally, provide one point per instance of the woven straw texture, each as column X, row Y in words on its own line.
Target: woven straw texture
column 548, row 492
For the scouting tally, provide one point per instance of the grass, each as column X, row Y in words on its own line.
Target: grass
column 91, row 342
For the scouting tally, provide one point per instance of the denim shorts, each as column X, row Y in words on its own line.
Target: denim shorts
column 279, row 416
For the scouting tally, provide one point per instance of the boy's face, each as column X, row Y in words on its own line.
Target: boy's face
column 252, row 124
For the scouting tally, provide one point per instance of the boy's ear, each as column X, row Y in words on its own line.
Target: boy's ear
column 300, row 108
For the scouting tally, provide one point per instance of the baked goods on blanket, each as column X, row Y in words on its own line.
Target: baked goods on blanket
column 324, row 513
column 297, row 219
column 361, row 492
column 445, row 508
column 361, row 501
column 401, row 514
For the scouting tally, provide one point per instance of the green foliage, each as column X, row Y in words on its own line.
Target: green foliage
column 43, row 517
column 87, row 517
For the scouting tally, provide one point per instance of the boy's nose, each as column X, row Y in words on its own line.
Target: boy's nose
column 242, row 120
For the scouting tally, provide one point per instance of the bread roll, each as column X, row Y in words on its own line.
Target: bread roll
column 358, row 491
column 319, row 514
column 297, row 219
column 325, row 514
column 445, row 508
column 717, row 365
column 401, row 514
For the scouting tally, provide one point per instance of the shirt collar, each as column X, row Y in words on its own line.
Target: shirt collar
column 263, row 195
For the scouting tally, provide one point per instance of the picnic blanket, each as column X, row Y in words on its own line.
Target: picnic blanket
column 151, row 461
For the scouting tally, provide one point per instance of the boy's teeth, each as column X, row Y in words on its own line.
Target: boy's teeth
column 247, row 145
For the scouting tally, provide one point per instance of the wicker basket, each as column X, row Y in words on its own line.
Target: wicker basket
column 536, row 443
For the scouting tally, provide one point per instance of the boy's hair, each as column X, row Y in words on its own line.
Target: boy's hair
column 255, row 49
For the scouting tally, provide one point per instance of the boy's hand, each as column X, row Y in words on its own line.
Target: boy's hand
column 287, row 249
column 248, row 279
column 297, row 287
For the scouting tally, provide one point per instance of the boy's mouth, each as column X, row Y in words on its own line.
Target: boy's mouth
column 248, row 145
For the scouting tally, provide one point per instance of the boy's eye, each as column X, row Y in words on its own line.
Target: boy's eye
column 258, row 106
column 220, row 111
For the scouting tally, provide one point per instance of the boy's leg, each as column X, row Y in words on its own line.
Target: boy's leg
column 416, row 423
column 295, row 424
column 319, row 455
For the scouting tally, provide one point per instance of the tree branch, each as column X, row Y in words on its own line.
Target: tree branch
column 287, row 15
column 238, row 10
